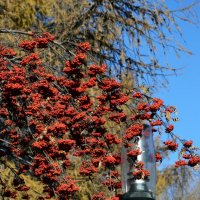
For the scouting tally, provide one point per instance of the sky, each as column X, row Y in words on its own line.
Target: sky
column 183, row 90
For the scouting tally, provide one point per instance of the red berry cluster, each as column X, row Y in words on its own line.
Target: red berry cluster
column 140, row 172
column 158, row 157
column 38, row 41
column 171, row 145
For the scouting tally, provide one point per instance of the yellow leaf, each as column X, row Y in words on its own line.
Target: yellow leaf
column 168, row 115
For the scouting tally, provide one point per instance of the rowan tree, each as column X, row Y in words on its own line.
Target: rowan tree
column 54, row 130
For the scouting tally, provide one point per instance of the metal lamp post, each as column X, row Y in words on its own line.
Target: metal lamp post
column 135, row 189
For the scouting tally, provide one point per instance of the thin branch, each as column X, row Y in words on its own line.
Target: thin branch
column 2, row 30
column 185, row 8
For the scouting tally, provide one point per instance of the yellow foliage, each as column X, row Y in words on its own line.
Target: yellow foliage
column 22, row 13
column 8, row 173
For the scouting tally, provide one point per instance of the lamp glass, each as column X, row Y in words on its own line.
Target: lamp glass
column 146, row 145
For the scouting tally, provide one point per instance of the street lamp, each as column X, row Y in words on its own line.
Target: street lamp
column 135, row 189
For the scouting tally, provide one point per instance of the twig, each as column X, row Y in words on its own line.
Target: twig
column 2, row 30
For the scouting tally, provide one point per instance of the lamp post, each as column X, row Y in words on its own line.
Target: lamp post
column 139, row 189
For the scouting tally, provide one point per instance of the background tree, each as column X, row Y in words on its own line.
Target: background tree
column 125, row 34
column 173, row 182
column 194, row 194
column 178, row 183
